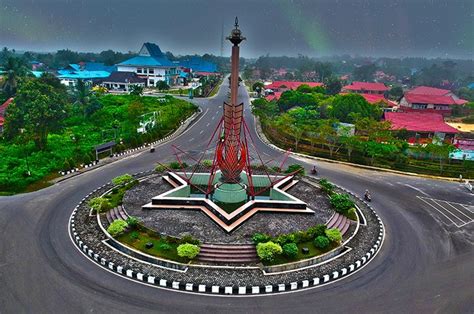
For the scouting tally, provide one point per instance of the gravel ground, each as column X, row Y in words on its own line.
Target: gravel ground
column 178, row 222
column 92, row 236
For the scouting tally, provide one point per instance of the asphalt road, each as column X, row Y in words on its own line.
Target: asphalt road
column 425, row 265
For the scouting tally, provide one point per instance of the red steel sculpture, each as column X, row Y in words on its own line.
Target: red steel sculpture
column 231, row 151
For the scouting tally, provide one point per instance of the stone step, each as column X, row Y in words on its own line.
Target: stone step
column 108, row 215
column 229, row 260
column 333, row 220
column 228, row 246
column 341, row 223
column 224, row 256
column 122, row 213
column 229, row 252
column 346, row 227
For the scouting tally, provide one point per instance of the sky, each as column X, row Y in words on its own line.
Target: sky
column 428, row 28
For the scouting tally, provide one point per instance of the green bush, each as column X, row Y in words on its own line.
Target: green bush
column 176, row 165
column 207, row 163
column 188, row 250
column 290, row 250
column 123, row 179
column 334, row 235
column 267, row 251
column 160, row 168
column 285, row 238
column 341, row 203
column 132, row 222
column 117, row 227
column 351, row 214
column 318, row 230
column 326, row 186
column 164, row 247
column 189, row 239
column 134, row 235
column 100, row 204
column 321, row 242
column 260, row 237
column 295, row 167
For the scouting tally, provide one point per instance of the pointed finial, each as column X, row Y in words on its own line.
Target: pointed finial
column 236, row 22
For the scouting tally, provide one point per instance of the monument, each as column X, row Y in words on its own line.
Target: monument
column 229, row 193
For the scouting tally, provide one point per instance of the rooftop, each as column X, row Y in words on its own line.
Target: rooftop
column 291, row 84
column 419, row 122
column 379, row 87
column 124, row 77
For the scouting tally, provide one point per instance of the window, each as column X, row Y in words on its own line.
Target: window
column 139, row 70
column 151, row 71
column 152, row 82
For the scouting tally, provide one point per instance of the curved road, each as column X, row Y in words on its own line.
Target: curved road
column 425, row 265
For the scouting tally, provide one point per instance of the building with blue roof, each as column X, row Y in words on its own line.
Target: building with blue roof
column 88, row 71
column 198, row 64
column 152, row 65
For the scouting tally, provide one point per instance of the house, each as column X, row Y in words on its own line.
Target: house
column 430, row 99
column 86, row 71
column 365, row 88
column 198, row 65
column 121, row 81
column 152, row 65
column 464, row 151
column 422, row 127
column 3, row 109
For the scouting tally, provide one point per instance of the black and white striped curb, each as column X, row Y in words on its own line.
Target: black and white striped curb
column 124, row 271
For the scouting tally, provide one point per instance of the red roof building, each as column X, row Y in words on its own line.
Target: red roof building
column 365, row 88
column 424, row 125
column 278, row 87
column 429, row 99
column 274, row 96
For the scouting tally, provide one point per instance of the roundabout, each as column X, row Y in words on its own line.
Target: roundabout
column 355, row 251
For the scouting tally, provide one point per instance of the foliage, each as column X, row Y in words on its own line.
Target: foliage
column 267, row 251
column 134, row 235
column 160, row 168
column 188, row 250
column 333, row 85
column 260, row 237
column 334, row 235
column 100, row 204
column 162, row 85
column 286, row 238
column 176, row 165
column 295, row 167
column 321, row 242
column 38, row 109
column 264, row 109
column 396, row 92
column 132, row 222
column 341, row 203
column 123, row 179
column 189, row 239
column 117, row 227
column 317, row 230
column 364, row 73
column 326, row 186
column 164, row 247
column 136, row 90
column 207, row 163
column 346, row 107
column 290, row 250
column 352, row 214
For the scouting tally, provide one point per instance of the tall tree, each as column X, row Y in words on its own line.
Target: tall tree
column 37, row 110
column 14, row 68
column 364, row 73
column 333, row 85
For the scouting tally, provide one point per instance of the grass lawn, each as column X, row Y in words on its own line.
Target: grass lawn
column 137, row 239
column 313, row 251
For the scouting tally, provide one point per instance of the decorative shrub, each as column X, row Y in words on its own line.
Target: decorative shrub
column 326, row 186
column 285, row 238
column 351, row 214
column 207, row 163
column 100, row 204
column 117, row 227
column 132, row 222
column 164, row 247
column 295, row 167
column 189, row 239
column 160, row 168
column 260, row 237
column 267, row 251
column 134, row 235
column 176, row 165
column 321, row 242
column 188, row 250
column 123, row 179
column 290, row 250
column 318, row 230
column 334, row 235
column 341, row 203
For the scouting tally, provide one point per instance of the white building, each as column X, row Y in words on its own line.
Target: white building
column 152, row 65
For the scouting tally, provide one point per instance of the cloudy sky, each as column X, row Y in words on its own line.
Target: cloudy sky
column 428, row 28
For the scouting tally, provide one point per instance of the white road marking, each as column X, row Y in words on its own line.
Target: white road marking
column 207, row 124
column 416, row 189
column 444, row 208
column 213, row 117
column 191, row 139
column 202, row 131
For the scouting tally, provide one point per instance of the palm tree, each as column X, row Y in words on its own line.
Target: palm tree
column 14, row 67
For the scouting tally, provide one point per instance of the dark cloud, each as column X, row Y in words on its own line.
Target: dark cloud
column 376, row 27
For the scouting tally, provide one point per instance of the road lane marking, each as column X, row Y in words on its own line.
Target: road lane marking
column 207, row 124
column 202, row 131
column 454, row 215
column 191, row 139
